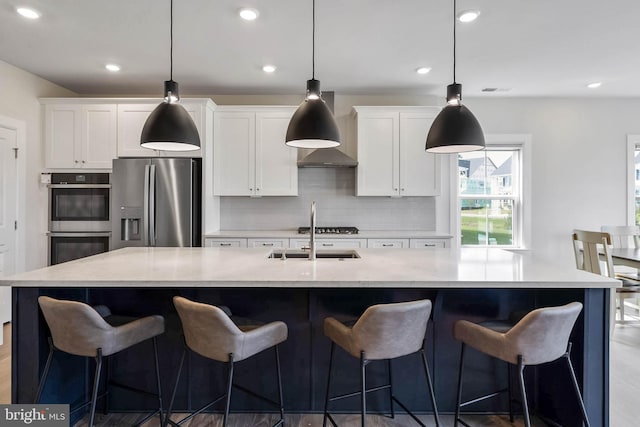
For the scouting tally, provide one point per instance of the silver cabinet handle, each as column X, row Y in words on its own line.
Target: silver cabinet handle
column 76, row 161
column 225, row 244
column 83, row 161
column 429, row 245
column 257, row 189
column 402, row 189
column 267, row 244
column 386, row 245
column 327, row 244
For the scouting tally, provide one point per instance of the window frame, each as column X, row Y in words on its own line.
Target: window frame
column 633, row 143
column 521, row 219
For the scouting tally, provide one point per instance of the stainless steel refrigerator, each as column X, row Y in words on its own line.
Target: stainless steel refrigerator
column 156, row 202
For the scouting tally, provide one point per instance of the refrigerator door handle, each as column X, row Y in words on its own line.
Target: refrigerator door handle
column 152, row 205
column 145, row 208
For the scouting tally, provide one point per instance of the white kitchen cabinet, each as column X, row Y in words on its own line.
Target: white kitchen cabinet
column 392, row 160
column 428, row 243
column 79, row 135
column 268, row 243
column 388, row 243
column 131, row 120
column 212, row 242
column 250, row 156
column 329, row 243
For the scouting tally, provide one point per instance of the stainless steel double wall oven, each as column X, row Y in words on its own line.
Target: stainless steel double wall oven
column 79, row 215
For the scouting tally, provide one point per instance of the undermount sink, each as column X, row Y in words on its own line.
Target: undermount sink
column 298, row 254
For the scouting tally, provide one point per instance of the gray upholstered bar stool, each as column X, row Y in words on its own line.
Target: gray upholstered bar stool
column 541, row 336
column 383, row 332
column 78, row 329
column 211, row 333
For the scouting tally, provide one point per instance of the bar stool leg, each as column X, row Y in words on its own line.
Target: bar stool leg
column 229, row 386
column 45, row 373
column 157, row 365
column 326, row 399
column 430, row 385
column 167, row 417
column 390, row 377
column 576, row 387
column 510, row 392
column 459, row 397
column 96, row 384
column 107, row 379
column 363, row 396
column 523, row 393
column 279, row 385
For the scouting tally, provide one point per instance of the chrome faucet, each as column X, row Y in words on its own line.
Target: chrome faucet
column 312, row 233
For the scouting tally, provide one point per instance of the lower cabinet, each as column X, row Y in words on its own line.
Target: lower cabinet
column 388, row 243
column 212, row 242
column 329, row 243
column 428, row 243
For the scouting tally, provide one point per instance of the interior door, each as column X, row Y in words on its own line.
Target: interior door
column 8, row 234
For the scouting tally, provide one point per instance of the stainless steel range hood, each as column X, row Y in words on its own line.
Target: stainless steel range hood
column 327, row 157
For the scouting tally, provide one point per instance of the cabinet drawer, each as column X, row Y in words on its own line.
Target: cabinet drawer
column 225, row 243
column 330, row 243
column 388, row 243
column 268, row 243
column 428, row 243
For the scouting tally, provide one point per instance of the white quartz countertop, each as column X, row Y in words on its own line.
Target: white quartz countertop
column 362, row 234
column 249, row 267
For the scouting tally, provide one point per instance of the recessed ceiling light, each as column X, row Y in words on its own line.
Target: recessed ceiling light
column 594, row 85
column 269, row 68
column 248, row 14
column 468, row 15
column 112, row 67
column 423, row 70
column 28, row 13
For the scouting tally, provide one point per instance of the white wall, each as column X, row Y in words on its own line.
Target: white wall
column 20, row 92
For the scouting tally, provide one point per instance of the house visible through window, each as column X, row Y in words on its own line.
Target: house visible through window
column 490, row 197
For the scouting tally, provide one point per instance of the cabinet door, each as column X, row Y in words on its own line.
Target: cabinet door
column 276, row 162
column 388, row 243
column 225, row 243
column 429, row 243
column 63, row 135
column 98, row 136
column 419, row 170
column 378, row 141
column 131, row 120
column 234, row 153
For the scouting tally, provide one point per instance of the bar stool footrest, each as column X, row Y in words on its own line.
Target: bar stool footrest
column 485, row 397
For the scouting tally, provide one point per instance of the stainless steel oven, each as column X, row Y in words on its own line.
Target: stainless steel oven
column 79, row 215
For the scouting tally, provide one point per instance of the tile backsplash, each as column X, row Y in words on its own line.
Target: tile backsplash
column 333, row 189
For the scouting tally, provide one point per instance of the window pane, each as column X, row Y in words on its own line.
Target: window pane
column 486, row 172
column 637, row 176
column 500, row 222
column 501, row 178
column 473, row 221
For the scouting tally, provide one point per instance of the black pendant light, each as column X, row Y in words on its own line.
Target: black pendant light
column 455, row 129
column 313, row 124
column 169, row 127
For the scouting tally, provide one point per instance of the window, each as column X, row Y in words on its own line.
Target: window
column 490, row 196
column 633, row 168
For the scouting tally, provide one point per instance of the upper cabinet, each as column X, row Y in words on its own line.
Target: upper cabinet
column 91, row 132
column 80, row 136
column 131, row 120
column 250, row 157
column 392, row 160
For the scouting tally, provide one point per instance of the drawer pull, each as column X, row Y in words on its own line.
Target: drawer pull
column 267, row 244
column 429, row 245
column 225, row 244
column 387, row 245
column 327, row 244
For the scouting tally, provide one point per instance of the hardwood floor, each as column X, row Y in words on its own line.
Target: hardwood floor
column 625, row 396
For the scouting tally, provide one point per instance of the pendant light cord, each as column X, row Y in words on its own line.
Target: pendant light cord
column 454, row 41
column 313, row 42
column 171, row 43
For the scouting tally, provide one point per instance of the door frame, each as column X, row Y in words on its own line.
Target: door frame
column 20, row 128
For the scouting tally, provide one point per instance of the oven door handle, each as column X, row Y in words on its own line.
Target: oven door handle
column 79, row 186
column 72, row 234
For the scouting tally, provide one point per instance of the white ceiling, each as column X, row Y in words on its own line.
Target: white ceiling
column 532, row 47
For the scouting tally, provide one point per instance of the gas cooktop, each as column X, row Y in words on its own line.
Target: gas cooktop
column 329, row 230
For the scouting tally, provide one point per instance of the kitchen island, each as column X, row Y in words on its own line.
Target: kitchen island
column 474, row 284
